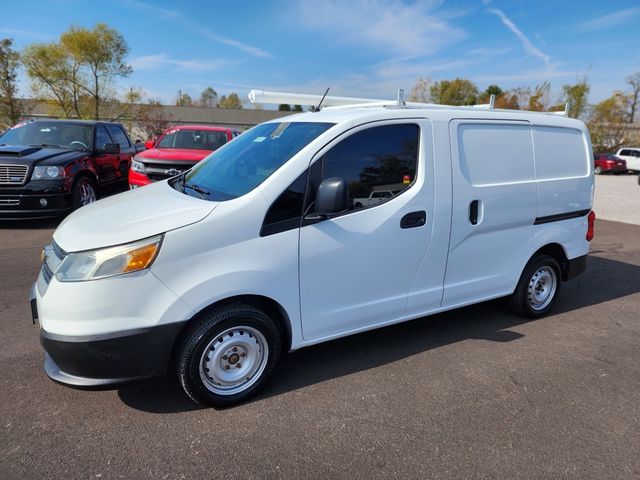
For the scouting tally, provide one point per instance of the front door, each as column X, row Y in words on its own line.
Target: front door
column 107, row 164
column 356, row 269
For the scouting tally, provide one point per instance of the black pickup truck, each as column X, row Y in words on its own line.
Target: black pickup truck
column 50, row 167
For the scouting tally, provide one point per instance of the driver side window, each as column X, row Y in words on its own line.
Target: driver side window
column 375, row 162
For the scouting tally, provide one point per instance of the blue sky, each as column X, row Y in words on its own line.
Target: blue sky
column 366, row 48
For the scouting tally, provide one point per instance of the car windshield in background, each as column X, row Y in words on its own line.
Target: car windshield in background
column 249, row 160
column 193, row 139
column 49, row 134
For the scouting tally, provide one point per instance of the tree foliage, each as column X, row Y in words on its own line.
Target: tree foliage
column 208, row 98
column 634, row 97
column 230, row 101
column 76, row 74
column 284, row 107
column 421, row 91
column 10, row 109
column 576, row 96
column 608, row 122
column 454, row 92
column 184, row 100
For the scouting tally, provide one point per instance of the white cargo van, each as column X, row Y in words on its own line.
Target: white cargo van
column 259, row 248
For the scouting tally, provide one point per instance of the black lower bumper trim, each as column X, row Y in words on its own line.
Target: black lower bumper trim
column 109, row 361
column 577, row 266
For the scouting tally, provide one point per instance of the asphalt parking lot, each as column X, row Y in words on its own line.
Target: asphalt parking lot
column 472, row 393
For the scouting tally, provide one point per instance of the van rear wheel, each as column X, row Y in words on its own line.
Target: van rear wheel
column 538, row 288
column 228, row 355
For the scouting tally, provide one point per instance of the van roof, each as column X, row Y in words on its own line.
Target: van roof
column 364, row 113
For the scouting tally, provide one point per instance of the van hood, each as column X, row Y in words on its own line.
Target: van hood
column 130, row 216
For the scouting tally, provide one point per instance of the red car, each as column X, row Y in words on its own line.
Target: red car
column 178, row 149
column 608, row 162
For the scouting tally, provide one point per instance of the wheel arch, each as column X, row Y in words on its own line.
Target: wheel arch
column 266, row 304
column 556, row 251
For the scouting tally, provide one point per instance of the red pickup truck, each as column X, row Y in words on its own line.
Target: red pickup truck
column 178, row 149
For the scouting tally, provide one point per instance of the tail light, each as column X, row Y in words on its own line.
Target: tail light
column 591, row 219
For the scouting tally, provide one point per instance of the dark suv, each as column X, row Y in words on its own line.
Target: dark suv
column 49, row 167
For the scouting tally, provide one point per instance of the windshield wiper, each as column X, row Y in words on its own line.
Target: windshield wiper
column 49, row 145
column 201, row 191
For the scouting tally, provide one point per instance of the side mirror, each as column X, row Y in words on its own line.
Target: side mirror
column 332, row 198
column 148, row 144
column 112, row 148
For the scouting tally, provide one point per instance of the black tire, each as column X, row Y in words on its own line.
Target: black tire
column 358, row 205
column 81, row 188
column 528, row 299
column 217, row 328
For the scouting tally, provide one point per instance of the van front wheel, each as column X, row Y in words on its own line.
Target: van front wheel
column 228, row 355
column 538, row 288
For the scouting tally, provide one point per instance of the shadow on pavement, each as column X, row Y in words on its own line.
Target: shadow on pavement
column 486, row 321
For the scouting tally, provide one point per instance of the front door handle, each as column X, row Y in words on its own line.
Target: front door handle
column 414, row 219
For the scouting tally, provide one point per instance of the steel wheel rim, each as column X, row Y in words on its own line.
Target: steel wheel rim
column 542, row 288
column 87, row 193
column 233, row 360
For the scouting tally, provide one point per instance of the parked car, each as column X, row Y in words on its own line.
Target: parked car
column 374, row 198
column 258, row 249
column 608, row 163
column 49, row 167
column 178, row 149
column 632, row 157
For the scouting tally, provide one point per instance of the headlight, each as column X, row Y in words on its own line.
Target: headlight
column 137, row 166
column 108, row 262
column 47, row 173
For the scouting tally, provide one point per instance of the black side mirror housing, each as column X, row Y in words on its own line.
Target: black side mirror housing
column 332, row 197
column 112, row 148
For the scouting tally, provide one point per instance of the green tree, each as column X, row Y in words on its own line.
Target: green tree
column 576, row 96
column 454, row 92
column 76, row 74
column 184, row 100
column 208, row 98
column 231, row 101
column 297, row 108
column 284, row 107
column 10, row 109
column 608, row 122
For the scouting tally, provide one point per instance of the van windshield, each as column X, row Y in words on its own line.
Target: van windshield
column 241, row 165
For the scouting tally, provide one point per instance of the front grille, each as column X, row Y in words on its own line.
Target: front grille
column 9, row 202
column 162, row 171
column 13, row 174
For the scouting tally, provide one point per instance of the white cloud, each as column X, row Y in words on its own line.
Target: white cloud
column 12, row 32
column 611, row 20
column 526, row 43
column 389, row 26
column 178, row 18
column 162, row 61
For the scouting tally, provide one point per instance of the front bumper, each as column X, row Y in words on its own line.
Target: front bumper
column 15, row 207
column 109, row 361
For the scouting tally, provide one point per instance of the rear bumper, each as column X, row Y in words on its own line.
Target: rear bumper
column 576, row 266
column 109, row 361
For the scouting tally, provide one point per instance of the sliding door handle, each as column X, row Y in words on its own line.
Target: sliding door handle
column 473, row 212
